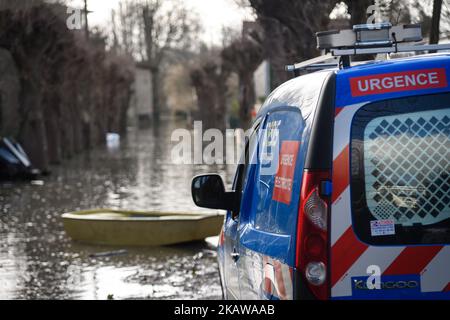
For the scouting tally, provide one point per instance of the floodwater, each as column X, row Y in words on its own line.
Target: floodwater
column 39, row 261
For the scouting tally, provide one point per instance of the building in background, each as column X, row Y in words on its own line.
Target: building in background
column 141, row 108
column 262, row 83
column 180, row 98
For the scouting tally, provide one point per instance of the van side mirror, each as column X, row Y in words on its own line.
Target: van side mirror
column 208, row 191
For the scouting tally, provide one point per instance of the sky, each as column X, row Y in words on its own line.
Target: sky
column 214, row 14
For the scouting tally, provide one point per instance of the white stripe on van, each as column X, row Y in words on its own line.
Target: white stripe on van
column 435, row 276
column 340, row 217
column 378, row 256
column 342, row 125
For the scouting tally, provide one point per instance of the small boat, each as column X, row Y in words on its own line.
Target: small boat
column 138, row 228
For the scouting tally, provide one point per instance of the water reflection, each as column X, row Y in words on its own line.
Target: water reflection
column 38, row 260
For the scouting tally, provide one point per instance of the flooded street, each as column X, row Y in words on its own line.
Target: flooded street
column 39, row 261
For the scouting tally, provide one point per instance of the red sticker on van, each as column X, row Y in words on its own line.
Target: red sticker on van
column 398, row 81
column 284, row 178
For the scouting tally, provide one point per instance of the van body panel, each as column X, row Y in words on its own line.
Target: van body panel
column 410, row 268
column 230, row 267
column 263, row 277
column 265, row 235
column 375, row 108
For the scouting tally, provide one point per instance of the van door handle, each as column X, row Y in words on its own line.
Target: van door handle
column 234, row 255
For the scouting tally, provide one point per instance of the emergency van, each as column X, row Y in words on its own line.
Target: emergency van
column 358, row 206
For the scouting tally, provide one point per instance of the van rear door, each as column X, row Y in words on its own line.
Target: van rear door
column 391, row 199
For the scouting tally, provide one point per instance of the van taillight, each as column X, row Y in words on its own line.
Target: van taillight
column 312, row 231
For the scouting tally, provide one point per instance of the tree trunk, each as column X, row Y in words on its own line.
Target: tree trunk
column 212, row 93
column 53, row 135
column 435, row 21
column 358, row 10
column 9, row 95
column 358, row 15
column 221, row 112
column 247, row 99
column 86, row 20
column 156, row 94
column 124, row 111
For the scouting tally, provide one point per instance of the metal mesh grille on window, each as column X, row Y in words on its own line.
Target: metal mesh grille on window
column 407, row 167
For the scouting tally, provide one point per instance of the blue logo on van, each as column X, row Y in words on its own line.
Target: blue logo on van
column 391, row 287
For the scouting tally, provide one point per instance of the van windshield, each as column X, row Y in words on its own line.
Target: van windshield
column 400, row 171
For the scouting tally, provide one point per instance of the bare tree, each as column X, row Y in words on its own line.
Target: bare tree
column 302, row 19
column 164, row 29
column 434, row 25
column 150, row 30
column 241, row 55
column 127, row 27
column 244, row 55
column 289, row 28
column 209, row 77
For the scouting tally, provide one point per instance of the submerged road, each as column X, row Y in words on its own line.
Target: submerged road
column 39, row 261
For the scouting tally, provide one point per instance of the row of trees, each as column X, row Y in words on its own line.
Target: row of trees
column 62, row 92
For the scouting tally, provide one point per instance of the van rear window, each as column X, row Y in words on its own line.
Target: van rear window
column 400, row 171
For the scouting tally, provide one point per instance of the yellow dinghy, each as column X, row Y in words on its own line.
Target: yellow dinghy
column 136, row 228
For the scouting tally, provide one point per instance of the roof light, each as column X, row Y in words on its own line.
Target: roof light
column 369, row 35
column 372, row 34
column 379, row 38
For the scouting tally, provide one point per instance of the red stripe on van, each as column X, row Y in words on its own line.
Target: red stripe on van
column 341, row 173
column 447, row 287
column 344, row 254
column 267, row 277
column 412, row 260
column 337, row 111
